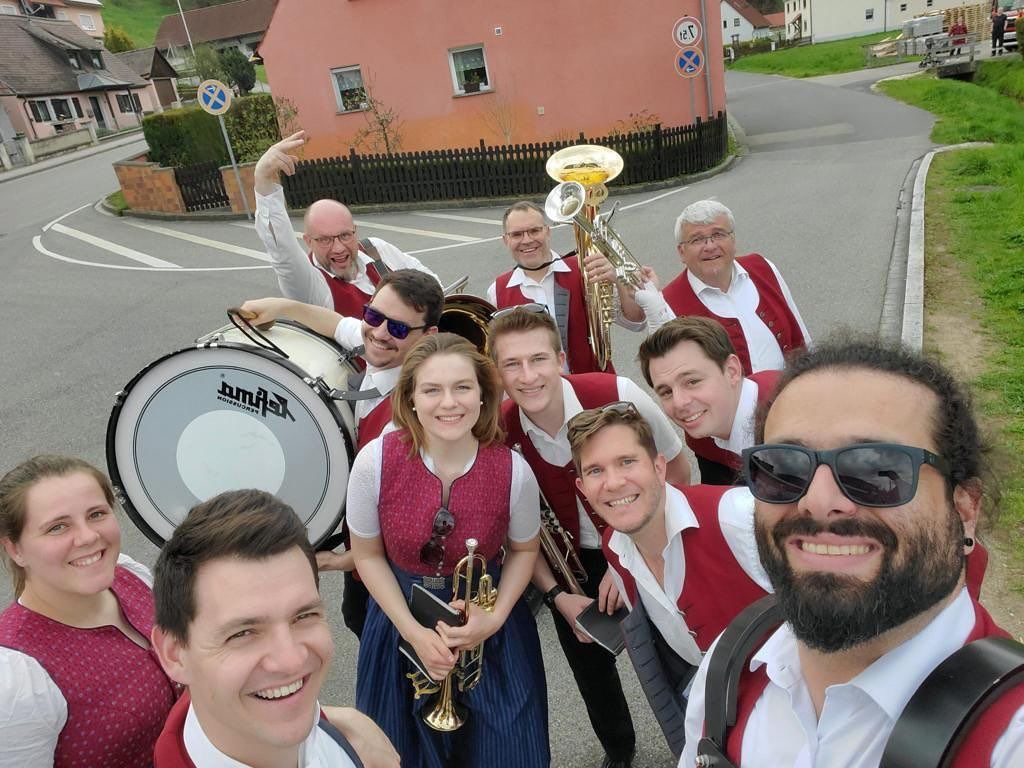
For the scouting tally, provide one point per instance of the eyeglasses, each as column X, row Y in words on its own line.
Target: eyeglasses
column 327, row 240
column 715, row 237
column 584, row 419
column 533, row 232
column 396, row 328
column 432, row 553
column 868, row 474
column 537, row 309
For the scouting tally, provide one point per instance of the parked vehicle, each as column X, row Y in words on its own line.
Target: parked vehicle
column 1014, row 12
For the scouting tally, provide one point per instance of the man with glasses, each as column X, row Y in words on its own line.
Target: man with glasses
column 869, row 494
column 336, row 270
column 554, row 282
column 747, row 295
column 524, row 344
column 405, row 307
column 683, row 556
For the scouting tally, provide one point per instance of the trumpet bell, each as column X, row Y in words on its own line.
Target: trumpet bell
column 565, row 201
column 588, row 164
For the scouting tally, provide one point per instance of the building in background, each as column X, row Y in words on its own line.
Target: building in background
column 742, row 22
column 240, row 24
column 823, row 20
column 85, row 14
column 454, row 73
column 151, row 66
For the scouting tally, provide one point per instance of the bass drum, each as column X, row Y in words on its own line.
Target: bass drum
column 229, row 413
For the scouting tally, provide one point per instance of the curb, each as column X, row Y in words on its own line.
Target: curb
column 69, row 157
column 428, row 205
column 912, row 334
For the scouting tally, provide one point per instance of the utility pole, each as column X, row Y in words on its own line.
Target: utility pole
column 187, row 35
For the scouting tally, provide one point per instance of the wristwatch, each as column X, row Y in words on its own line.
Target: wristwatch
column 551, row 594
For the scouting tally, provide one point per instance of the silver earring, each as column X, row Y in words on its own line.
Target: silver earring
column 414, row 409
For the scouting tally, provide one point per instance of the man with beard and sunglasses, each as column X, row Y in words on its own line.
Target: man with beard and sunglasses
column 405, row 307
column 869, row 494
column 336, row 270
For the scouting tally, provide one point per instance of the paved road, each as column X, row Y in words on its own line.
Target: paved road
column 88, row 299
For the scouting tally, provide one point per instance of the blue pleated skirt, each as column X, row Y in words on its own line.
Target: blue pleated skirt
column 507, row 723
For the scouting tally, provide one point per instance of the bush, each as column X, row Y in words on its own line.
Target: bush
column 188, row 136
column 239, row 71
column 116, row 40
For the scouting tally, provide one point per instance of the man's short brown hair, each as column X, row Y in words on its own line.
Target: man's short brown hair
column 246, row 524
column 521, row 320
column 522, row 206
column 706, row 333
column 584, row 425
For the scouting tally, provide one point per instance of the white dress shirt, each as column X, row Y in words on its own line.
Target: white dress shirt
column 348, row 334
column 33, row 711
column 740, row 302
column 299, row 278
column 555, row 450
column 742, row 434
column 857, row 717
column 736, row 518
column 319, row 750
column 363, row 502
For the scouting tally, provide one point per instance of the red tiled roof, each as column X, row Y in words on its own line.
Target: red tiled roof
column 218, row 22
column 750, row 13
column 776, row 19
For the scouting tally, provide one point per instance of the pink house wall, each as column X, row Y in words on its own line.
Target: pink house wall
column 586, row 66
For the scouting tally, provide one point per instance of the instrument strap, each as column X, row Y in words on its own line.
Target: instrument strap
column 562, row 314
column 252, row 333
column 367, row 247
column 547, row 263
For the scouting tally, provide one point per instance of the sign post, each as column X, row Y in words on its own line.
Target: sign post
column 215, row 98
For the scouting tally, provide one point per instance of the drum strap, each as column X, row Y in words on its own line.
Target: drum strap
column 370, row 250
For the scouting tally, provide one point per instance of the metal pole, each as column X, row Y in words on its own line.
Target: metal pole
column 704, row 41
column 187, row 35
column 238, row 176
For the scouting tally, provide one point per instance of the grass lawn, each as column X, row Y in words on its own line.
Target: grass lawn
column 261, row 73
column 813, row 60
column 974, row 201
column 139, row 18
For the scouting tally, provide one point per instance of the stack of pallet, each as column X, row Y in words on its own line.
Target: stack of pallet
column 976, row 17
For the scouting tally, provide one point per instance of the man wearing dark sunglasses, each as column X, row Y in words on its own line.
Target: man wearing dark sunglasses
column 336, row 269
column 698, row 381
column 867, row 480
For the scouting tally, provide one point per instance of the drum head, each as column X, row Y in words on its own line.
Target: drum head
column 205, row 420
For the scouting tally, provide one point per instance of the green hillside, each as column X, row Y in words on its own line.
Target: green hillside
column 141, row 18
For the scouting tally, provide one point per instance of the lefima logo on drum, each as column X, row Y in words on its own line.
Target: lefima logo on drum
column 258, row 402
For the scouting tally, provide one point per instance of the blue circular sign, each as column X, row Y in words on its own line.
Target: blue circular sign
column 214, row 97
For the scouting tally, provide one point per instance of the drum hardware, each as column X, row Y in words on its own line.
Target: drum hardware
column 456, row 287
column 252, row 332
column 445, row 714
column 583, row 170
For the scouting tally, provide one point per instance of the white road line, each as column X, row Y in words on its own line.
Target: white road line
column 242, row 224
column 37, row 242
column 453, row 217
column 46, row 227
column 120, row 250
column 675, row 191
column 203, row 241
column 413, row 231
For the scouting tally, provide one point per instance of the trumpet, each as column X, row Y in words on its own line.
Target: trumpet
column 445, row 714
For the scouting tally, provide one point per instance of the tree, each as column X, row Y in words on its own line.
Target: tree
column 116, row 40
column 384, row 127
column 238, row 70
column 206, row 64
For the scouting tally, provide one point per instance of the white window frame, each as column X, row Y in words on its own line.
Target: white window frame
column 457, row 88
column 869, row 14
column 86, row 22
column 43, row 106
column 8, row 10
column 342, row 109
column 736, row 21
column 96, row 59
column 903, row 7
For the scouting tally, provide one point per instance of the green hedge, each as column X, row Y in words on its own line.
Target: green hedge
column 189, row 135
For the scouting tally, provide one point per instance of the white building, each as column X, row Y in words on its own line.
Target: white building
column 741, row 22
column 823, row 20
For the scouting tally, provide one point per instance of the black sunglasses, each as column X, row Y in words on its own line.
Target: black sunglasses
column 584, row 417
column 869, row 474
column 533, row 307
column 432, row 553
column 396, row 328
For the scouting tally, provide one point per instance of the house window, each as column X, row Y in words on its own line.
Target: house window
column 78, row 107
column 736, row 22
column 869, row 13
column 725, row 25
column 8, row 10
column 97, row 59
column 62, row 15
column 74, row 60
column 85, row 22
column 40, row 111
column 61, row 109
column 129, row 102
column 469, row 69
column 805, row 25
column 903, row 7
column 349, row 91
column 928, row 3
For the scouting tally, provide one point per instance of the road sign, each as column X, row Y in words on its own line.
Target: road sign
column 214, row 97
column 687, row 31
column 689, row 62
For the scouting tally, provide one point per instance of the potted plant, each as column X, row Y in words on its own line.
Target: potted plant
column 472, row 82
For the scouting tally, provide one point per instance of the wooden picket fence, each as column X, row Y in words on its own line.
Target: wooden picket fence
column 510, row 170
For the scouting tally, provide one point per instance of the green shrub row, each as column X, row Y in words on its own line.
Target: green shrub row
column 189, row 135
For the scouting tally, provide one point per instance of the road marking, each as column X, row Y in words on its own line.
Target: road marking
column 675, row 191
column 37, row 242
column 204, row 241
column 801, row 134
column 46, row 227
column 413, row 231
column 120, row 250
column 453, row 217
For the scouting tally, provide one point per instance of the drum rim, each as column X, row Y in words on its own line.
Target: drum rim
column 122, row 396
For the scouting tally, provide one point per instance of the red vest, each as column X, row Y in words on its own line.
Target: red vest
column 116, row 692
column 410, row 496
column 373, row 423
column 348, row 300
column 771, row 308
column 974, row 752
column 558, row 484
column 716, row 588
column 580, row 357
column 707, row 448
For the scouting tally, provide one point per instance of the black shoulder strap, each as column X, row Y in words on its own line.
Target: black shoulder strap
column 336, row 736
column 367, row 247
column 721, row 687
column 951, row 699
